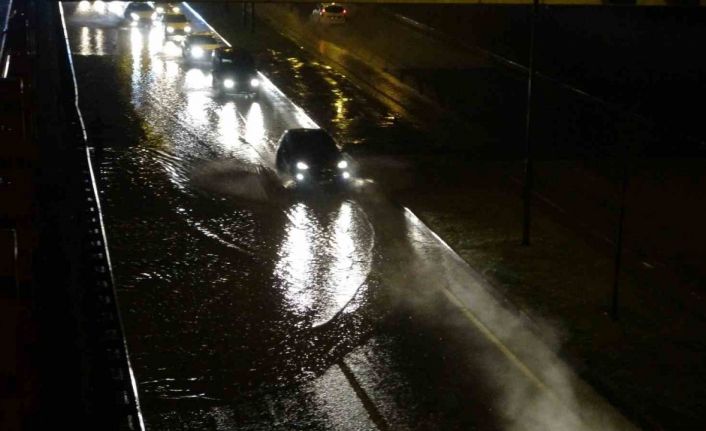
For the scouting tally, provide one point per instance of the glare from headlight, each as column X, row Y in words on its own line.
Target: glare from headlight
column 170, row 29
column 187, row 29
column 176, row 9
column 300, row 176
column 228, row 83
column 197, row 52
column 345, row 175
column 302, row 166
column 254, row 82
column 342, row 164
column 135, row 17
column 154, row 16
column 160, row 9
column 99, row 6
column 84, row 6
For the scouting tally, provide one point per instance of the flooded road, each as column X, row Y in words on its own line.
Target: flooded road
column 248, row 305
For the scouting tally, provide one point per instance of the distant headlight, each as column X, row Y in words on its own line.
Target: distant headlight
column 342, row 164
column 197, row 52
column 170, row 29
column 254, row 82
column 84, row 6
column 160, row 9
column 176, row 9
column 345, row 175
column 302, row 166
column 299, row 176
column 135, row 17
column 187, row 29
column 228, row 83
column 99, row 6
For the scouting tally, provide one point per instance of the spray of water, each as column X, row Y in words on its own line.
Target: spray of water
column 534, row 390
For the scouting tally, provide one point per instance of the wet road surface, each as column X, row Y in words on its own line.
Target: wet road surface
column 250, row 306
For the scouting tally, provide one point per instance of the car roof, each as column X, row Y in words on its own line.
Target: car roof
column 197, row 36
column 235, row 54
column 140, row 5
column 176, row 15
column 302, row 141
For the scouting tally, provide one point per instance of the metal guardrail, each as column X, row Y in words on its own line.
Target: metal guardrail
column 4, row 56
column 90, row 322
column 105, row 333
column 611, row 107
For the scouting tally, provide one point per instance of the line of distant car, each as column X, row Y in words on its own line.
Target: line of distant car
column 308, row 157
column 329, row 13
column 233, row 70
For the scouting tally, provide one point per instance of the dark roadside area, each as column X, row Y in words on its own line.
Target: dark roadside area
column 650, row 362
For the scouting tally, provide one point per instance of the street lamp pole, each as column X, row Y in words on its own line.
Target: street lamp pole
column 529, row 174
column 619, row 234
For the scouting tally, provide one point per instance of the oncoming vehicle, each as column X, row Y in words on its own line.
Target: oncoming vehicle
column 176, row 25
column 312, row 158
column 234, row 72
column 330, row 13
column 164, row 8
column 199, row 47
column 138, row 12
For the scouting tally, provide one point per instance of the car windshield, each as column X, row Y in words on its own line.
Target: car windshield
column 334, row 9
column 238, row 60
column 140, row 7
column 203, row 40
column 313, row 146
column 175, row 18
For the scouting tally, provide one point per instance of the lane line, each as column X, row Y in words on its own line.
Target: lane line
column 373, row 412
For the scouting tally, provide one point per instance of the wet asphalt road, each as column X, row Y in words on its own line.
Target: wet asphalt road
column 248, row 305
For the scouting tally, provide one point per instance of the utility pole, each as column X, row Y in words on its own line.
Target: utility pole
column 252, row 17
column 619, row 233
column 529, row 174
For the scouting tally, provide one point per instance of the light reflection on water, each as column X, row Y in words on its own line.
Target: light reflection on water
column 324, row 259
column 296, row 255
column 228, row 126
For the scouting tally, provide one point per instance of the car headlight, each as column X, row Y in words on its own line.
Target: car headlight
column 302, row 166
column 99, row 6
column 187, row 29
column 84, row 6
column 170, row 29
column 254, row 82
column 228, row 83
column 160, row 9
column 346, row 175
column 135, row 17
column 176, row 9
column 299, row 176
column 197, row 52
column 342, row 164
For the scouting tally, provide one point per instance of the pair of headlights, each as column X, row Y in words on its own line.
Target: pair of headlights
column 301, row 167
column 171, row 29
column 175, row 9
column 230, row 83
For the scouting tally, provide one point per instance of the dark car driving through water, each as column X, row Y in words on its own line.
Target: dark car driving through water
column 312, row 158
column 234, row 72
